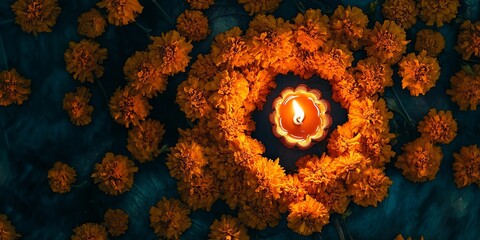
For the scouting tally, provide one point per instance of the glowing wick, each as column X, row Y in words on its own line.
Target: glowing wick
column 299, row 113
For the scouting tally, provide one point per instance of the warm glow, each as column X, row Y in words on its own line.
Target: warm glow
column 299, row 113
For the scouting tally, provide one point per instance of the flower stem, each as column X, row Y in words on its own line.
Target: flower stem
column 103, row 91
column 3, row 52
column 341, row 236
column 167, row 17
column 410, row 120
column 6, row 21
column 146, row 30
column 80, row 184
column 299, row 6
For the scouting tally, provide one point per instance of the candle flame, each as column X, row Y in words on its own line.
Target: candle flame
column 299, row 113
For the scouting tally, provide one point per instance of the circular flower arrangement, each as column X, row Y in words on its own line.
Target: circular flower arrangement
column 218, row 158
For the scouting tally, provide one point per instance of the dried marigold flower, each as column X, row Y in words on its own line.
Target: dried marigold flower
column 387, row 42
column 466, row 166
column 372, row 76
column 91, row 24
column 76, row 105
column 89, row 231
column 438, row 11
column 348, row 26
column 308, row 216
column 192, row 97
column 143, row 75
column 116, row 222
column 144, row 140
column 465, row 89
column 186, row 160
column 259, row 213
column 114, row 174
column 468, row 43
column 35, row 16
column 260, row 7
column 200, row 4
column 121, row 12
column 230, row 48
column 230, row 89
column 369, row 115
column 169, row 218
column 228, row 227
column 200, row 192
column 438, row 127
column 431, row 41
column 333, row 60
column 13, row 88
column 371, row 188
column 311, row 30
column 420, row 160
column 128, row 108
column 402, row 12
column 193, row 25
column 61, row 177
column 419, row 72
column 84, row 60
column 170, row 52
column 7, row 230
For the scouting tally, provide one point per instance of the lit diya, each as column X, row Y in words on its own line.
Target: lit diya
column 300, row 117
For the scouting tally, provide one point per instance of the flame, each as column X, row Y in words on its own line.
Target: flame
column 299, row 114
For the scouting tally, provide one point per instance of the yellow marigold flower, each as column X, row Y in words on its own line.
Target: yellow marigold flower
column 420, row 160
column 89, row 231
column 193, row 25
column 468, row 43
column 121, row 12
column 13, row 88
column 228, row 227
column 402, row 12
column 386, row 42
column 260, row 6
column 186, row 160
column 438, row 127
column 372, row 76
column 170, row 52
column 61, row 177
column 311, row 30
column 84, row 60
column 144, row 140
column 200, row 192
column 346, row 90
column 91, row 24
column 334, row 197
column 169, row 218
column 204, row 68
column 419, row 73
column 348, row 26
column 7, row 230
column 192, row 97
column 114, row 174
column 438, row 11
column 77, row 107
column 308, row 216
column 333, row 60
column 315, row 173
column 370, row 115
column 349, row 167
column 35, row 16
column 116, row 222
column 466, row 166
column 128, row 108
column 260, row 81
column 292, row 192
column 230, row 90
column 431, row 41
column 465, row 89
column 371, row 188
column 143, row 76
column 200, row 4
column 230, row 48
column 265, row 177
column 259, row 213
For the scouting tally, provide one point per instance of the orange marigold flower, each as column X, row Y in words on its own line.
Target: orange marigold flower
column 143, row 75
column 13, row 88
column 193, row 25
column 372, row 76
column 438, row 11
column 7, row 230
column 438, row 127
column 371, row 188
column 121, row 12
column 227, row 126
column 311, row 30
column 35, row 16
column 84, row 60
column 349, row 167
column 402, row 12
column 192, row 97
column 228, row 227
column 420, row 160
column 91, row 24
column 76, row 105
column 116, row 222
column 468, row 43
column 370, row 115
column 466, row 166
column 230, row 90
column 386, row 42
column 200, row 4
column 431, row 41
column 465, row 89
column 61, row 177
column 170, row 52
column 186, row 160
column 315, row 173
column 265, row 177
column 292, row 192
column 169, row 218
column 259, row 213
column 230, row 48
column 89, row 231
column 200, row 192
column 233, row 189
column 308, row 216
column 334, row 197
column 260, row 6
column 144, row 140
column 204, row 68
column 260, row 81
column 301, row 62
column 343, row 139
column 114, row 174
column 246, row 150
column 419, row 73
column 128, row 108
column 346, row 90
column 400, row 237
column 377, row 148
column 333, row 60
column 348, row 26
